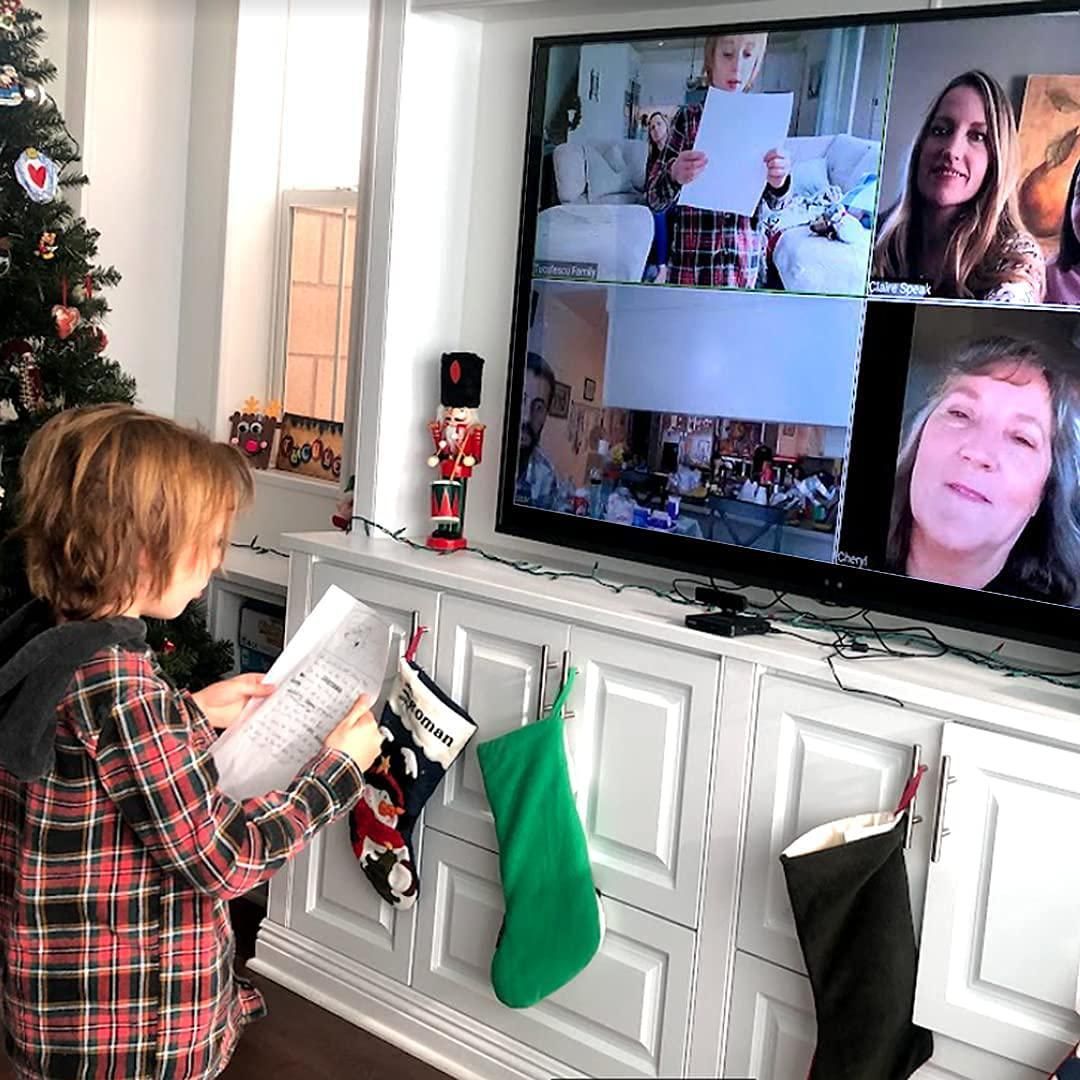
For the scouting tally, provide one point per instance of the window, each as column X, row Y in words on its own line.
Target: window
column 312, row 339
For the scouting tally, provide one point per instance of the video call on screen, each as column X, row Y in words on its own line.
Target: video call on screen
column 814, row 292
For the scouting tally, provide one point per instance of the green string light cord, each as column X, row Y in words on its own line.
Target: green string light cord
column 853, row 634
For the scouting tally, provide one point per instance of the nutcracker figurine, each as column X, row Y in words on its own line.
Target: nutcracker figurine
column 459, row 443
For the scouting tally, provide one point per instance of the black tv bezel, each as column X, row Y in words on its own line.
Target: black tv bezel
column 992, row 613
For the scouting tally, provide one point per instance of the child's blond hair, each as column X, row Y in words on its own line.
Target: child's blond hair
column 110, row 499
column 714, row 39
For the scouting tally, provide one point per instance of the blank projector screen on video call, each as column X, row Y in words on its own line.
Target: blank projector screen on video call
column 809, row 295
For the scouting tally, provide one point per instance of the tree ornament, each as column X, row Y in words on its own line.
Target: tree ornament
column 168, row 647
column 67, row 318
column 8, row 10
column 11, row 88
column 31, row 388
column 18, row 354
column 101, row 339
column 46, row 248
column 37, row 173
column 34, row 94
column 5, row 256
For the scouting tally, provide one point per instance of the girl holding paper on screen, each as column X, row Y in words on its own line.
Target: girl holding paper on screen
column 957, row 227
column 710, row 247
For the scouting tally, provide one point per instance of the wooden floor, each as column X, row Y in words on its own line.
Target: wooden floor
column 299, row 1041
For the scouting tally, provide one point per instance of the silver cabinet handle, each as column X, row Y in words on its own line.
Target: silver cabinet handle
column 568, row 714
column 913, row 818
column 945, row 780
column 545, row 666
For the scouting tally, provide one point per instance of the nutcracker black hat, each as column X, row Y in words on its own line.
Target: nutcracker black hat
column 461, row 372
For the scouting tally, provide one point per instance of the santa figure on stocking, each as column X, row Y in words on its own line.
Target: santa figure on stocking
column 459, row 444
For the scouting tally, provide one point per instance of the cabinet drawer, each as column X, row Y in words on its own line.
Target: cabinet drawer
column 772, row 1033
column 626, row 1014
column 333, row 903
column 819, row 755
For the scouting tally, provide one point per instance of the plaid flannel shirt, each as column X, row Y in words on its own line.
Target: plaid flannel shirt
column 707, row 247
column 115, row 872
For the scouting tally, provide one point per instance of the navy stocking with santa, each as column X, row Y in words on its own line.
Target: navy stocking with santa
column 423, row 733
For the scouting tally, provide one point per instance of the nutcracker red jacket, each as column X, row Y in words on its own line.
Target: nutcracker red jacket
column 118, row 853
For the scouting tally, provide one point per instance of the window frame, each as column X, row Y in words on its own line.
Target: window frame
column 290, row 199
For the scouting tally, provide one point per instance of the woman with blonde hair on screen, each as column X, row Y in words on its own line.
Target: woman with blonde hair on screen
column 987, row 489
column 957, row 226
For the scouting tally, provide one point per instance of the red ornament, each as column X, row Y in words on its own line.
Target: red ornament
column 101, row 339
column 167, row 647
column 67, row 318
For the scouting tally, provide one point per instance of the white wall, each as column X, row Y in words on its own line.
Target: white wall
column 135, row 148
column 928, row 56
column 478, row 222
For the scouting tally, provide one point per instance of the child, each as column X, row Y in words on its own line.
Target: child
column 709, row 247
column 118, row 853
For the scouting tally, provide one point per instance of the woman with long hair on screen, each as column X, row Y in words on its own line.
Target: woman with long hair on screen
column 658, row 132
column 1063, row 274
column 987, row 492
column 957, row 226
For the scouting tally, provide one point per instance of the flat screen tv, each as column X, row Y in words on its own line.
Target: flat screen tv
column 798, row 304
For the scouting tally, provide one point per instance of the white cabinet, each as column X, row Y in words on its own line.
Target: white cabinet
column 639, row 727
column 496, row 663
column 773, row 1033
column 819, row 755
column 626, row 1014
column 641, row 741
column 1000, row 948
column 329, row 899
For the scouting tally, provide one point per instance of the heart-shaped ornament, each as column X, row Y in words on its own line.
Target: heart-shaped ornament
column 37, row 174
column 67, row 318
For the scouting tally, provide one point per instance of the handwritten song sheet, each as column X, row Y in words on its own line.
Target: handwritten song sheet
column 340, row 652
column 736, row 132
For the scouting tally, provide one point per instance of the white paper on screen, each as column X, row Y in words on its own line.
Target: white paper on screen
column 736, row 132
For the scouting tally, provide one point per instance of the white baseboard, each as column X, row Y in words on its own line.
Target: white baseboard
column 419, row 1025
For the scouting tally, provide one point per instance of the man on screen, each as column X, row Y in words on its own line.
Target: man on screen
column 537, row 482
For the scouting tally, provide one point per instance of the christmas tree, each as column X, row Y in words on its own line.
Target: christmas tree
column 52, row 346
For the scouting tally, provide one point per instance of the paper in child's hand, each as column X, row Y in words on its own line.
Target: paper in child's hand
column 341, row 651
column 736, row 132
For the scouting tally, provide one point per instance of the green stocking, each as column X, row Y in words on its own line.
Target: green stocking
column 552, row 925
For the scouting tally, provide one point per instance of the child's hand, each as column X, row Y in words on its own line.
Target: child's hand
column 222, row 702
column 779, row 165
column 358, row 734
column 688, row 166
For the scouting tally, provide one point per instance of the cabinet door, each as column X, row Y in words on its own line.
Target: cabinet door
column 626, row 1014
column 492, row 661
column 772, row 1031
column 331, row 900
column 819, row 755
column 641, row 748
column 1000, row 946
